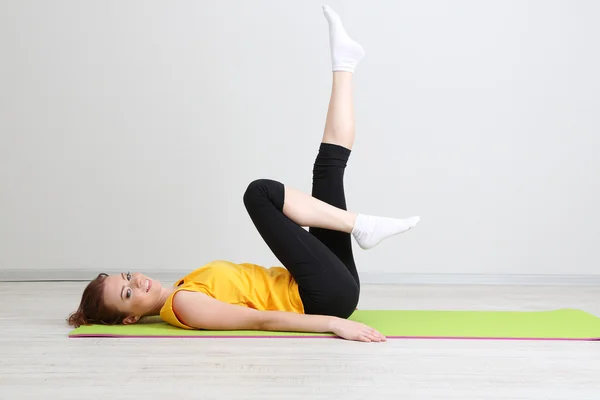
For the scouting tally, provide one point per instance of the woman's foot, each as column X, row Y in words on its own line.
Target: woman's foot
column 345, row 52
column 370, row 230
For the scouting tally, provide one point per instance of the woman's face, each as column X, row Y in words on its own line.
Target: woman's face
column 133, row 294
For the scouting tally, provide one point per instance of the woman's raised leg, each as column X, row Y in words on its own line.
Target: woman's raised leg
column 335, row 149
column 325, row 211
column 338, row 138
column 330, row 165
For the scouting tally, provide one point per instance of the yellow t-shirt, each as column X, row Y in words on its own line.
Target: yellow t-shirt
column 245, row 284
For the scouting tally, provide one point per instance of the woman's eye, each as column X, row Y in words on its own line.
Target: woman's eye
column 128, row 295
column 128, row 276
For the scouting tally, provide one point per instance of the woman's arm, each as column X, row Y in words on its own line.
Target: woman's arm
column 204, row 312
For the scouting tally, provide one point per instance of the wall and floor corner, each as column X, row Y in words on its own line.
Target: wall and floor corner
column 128, row 134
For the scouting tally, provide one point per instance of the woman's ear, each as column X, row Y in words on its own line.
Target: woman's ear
column 130, row 320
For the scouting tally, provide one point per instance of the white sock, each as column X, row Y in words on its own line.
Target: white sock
column 345, row 52
column 370, row 230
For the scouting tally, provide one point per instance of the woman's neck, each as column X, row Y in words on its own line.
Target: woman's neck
column 164, row 295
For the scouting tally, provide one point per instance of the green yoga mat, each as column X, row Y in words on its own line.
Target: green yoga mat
column 564, row 324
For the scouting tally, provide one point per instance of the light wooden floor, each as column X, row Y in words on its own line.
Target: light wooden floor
column 37, row 360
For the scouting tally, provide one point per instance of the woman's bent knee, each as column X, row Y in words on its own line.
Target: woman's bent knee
column 255, row 189
column 264, row 189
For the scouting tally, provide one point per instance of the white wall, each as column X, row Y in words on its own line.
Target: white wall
column 129, row 130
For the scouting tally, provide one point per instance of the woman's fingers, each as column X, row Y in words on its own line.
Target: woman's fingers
column 376, row 336
column 365, row 333
column 369, row 337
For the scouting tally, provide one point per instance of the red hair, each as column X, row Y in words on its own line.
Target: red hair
column 92, row 309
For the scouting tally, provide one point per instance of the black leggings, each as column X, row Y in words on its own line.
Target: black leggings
column 321, row 261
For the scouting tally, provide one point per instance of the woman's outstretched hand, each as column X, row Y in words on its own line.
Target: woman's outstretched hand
column 355, row 331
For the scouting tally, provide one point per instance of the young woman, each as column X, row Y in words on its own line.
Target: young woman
column 319, row 287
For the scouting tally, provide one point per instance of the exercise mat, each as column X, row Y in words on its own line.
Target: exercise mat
column 563, row 324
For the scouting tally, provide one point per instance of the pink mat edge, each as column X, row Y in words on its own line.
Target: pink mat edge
column 109, row 336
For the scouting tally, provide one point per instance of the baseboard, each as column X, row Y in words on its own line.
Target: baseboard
column 375, row 278
column 367, row 278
